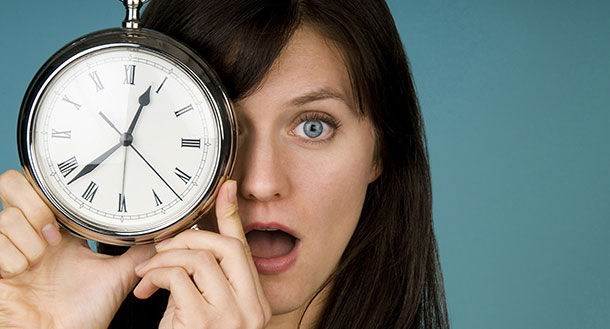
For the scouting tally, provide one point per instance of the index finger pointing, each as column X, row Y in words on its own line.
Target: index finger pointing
column 229, row 223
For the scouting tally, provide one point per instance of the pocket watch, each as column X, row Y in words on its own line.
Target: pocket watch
column 127, row 134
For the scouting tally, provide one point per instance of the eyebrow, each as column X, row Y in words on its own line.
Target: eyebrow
column 317, row 95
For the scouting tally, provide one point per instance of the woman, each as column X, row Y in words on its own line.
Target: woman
column 329, row 224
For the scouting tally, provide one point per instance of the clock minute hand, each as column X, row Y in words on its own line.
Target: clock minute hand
column 96, row 162
column 144, row 100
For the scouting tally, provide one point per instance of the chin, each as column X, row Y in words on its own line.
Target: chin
column 283, row 297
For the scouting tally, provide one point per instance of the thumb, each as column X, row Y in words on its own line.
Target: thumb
column 128, row 261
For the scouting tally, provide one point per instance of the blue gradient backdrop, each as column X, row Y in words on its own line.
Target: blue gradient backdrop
column 516, row 99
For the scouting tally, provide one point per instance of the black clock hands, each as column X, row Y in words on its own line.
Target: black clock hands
column 123, row 138
column 153, row 169
column 96, row 162
column 126, row 140
column 144, row 100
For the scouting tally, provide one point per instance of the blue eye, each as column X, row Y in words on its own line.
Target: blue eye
column 313, row 128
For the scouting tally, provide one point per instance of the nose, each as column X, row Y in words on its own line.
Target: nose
column 259, row 169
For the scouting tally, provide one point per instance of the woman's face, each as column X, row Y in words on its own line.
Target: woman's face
column 304, row 162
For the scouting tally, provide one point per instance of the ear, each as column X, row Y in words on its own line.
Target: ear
column 376, row 169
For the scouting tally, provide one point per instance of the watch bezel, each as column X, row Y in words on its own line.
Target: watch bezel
column 173, row 51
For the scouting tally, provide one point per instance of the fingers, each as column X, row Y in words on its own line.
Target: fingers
column 176, row 280
column 218, row 266
column 16, row 191
column 136, row 255
column 127, row 262
column 22, row 245
column 227, row 252
column 229, row 224
column 200, row 292
column 211, row 282
column 26, row 225
column 12, row 261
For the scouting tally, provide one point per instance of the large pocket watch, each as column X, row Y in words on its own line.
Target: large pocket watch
column 127, row 134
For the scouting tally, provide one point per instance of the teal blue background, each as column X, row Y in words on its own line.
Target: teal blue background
column 516, row 100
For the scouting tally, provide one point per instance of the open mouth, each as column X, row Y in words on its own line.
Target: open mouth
column 270, row 243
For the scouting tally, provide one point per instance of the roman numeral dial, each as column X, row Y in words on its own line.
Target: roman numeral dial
column 182, row 175
column 158, row 201
column 130, row 75
column 96, row 80
column 90, row 191
column 75, row 104
column 122, row 203
column 67, row 134
column 193, row 143
column 183, row 110
column 68, row 166
column 127, row 140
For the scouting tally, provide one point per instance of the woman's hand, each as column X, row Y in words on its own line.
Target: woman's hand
column 52, row 279
column 212, row 278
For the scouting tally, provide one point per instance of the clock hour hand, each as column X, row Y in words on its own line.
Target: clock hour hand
column 96, row 162
column 144, row 100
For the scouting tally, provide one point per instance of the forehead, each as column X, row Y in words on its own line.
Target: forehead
column 309, row 64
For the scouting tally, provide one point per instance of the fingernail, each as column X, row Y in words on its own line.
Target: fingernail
column 162, row 243
column 232, row 191
column 140, row 266
column 51, row 234
column 3, row 275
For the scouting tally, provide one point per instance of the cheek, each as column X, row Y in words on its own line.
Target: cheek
column 331, row 185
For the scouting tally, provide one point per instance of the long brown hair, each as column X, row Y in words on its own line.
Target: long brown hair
column 389, row 275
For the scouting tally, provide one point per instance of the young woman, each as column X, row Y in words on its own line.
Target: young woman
column 327, row 223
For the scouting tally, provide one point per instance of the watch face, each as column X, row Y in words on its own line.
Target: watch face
column 124, row 140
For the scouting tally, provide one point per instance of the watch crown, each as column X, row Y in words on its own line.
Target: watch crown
column 132, row 13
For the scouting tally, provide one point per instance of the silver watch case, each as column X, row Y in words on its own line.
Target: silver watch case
column 175, row 52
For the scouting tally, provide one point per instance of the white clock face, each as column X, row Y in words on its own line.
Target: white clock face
column 125, row 139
